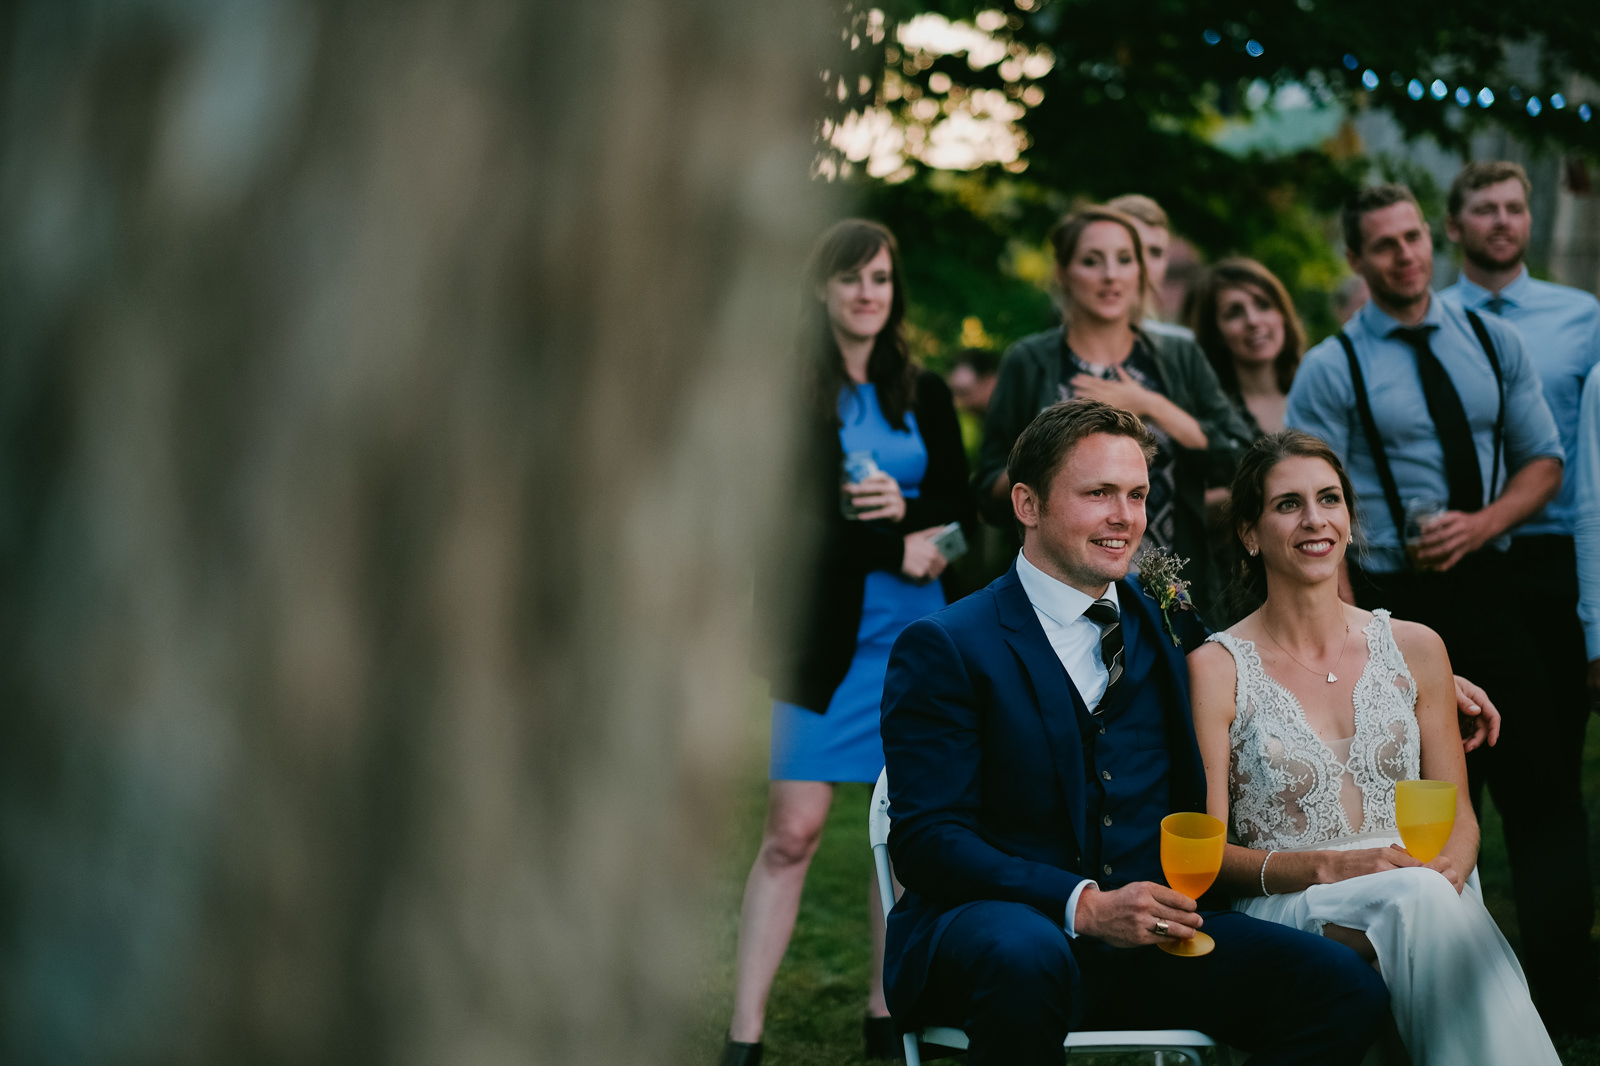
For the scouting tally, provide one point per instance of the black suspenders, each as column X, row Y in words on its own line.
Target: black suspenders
column 1380, row 458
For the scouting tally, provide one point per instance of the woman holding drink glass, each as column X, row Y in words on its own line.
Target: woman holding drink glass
column 888, row 474
column 1311, row 714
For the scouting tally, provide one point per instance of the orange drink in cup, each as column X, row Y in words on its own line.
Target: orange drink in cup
column 1425, row 813
column 1191, row 857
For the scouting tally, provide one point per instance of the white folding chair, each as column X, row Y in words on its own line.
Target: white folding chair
column 1176, row 1045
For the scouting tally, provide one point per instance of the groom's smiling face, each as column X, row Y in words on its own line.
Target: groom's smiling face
column 1086, row 531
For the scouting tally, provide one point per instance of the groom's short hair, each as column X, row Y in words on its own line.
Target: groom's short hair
column 1047, row 441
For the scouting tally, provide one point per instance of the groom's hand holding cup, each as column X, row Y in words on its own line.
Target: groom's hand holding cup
column 1130, row 916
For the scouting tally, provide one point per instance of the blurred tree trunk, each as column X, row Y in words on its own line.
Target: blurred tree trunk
column 392, row 400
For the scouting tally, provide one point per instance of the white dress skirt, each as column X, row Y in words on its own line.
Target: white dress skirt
column 1455, row 986
column 1457, row 992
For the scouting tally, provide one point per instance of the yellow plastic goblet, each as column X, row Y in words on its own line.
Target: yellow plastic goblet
column 1191, row 857
column 1425, row 812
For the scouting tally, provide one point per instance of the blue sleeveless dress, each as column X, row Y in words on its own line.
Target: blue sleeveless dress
column 844, row 744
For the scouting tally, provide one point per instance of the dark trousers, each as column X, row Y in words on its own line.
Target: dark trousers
column 1510, row 623
column 1018, row 985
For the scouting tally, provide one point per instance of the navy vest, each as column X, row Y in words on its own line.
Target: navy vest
column 1128, row 766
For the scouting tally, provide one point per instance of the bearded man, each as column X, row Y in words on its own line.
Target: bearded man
column 1489, row 218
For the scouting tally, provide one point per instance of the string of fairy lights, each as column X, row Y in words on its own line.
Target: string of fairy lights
column 1437, row 89
column 958, row 127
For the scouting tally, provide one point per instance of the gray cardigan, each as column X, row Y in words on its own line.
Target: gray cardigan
column 1030, row 381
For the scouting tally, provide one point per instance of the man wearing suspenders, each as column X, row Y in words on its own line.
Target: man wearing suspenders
column 1441, row 420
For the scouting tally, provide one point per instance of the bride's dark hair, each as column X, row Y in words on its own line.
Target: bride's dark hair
column 1249, row 496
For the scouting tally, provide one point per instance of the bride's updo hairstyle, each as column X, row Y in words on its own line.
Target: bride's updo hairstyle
column 1249, row 498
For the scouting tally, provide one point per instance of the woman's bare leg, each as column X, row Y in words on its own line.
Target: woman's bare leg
column 796, row 812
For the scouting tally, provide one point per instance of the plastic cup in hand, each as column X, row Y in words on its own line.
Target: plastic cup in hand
column 1420, row 511
column 1191, row 857
column 856, row 468
column 1425, row 812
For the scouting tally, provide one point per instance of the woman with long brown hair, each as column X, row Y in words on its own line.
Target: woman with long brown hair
column 1244, row 321
column 886, row 471
column 1309, row 712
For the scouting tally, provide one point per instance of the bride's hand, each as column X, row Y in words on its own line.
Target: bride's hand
column 1343, row 865
column 1452, row 873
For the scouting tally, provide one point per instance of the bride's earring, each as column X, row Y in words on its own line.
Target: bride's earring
column 1253, row 552
column 1351, row 539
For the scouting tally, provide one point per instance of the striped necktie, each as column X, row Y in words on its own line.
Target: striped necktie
column 1103, row 613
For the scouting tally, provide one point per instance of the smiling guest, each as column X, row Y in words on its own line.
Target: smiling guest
column 1102, row 353
column 1423, row 399
column 887, row 470
column 1244, row 321
column 1247, row 326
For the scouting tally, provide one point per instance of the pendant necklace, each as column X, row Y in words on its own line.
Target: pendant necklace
column 1331, row 676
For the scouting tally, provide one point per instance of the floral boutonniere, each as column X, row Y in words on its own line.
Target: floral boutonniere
column 1160, row 572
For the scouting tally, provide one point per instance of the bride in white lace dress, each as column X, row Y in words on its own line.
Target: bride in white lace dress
column 1308, row 711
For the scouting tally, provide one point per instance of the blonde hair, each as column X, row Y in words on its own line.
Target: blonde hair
column 1066, row 234
column 1141, row 207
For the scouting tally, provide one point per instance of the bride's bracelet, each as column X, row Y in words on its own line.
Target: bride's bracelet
column 1270, row 854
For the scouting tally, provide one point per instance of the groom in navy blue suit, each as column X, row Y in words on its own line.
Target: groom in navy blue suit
column 1036, row 733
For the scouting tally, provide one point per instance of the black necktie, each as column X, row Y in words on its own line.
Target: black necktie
column 1461, row 470
column 1103, row 613
column 1496, row 304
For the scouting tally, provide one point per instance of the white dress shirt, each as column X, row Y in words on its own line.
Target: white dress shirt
column 1076, row 642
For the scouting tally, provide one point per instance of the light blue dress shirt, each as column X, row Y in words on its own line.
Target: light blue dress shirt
column 1560, row 329
column 1076, row 642
column 1322, row 402
column 1585, row 481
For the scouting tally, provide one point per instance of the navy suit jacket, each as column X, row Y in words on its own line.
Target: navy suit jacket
column 987, row 789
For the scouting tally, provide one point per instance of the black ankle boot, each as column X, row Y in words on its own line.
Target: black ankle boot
column 738, row 1053
column 882, row 1040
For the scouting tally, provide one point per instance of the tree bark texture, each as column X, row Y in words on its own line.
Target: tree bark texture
column 391, row 411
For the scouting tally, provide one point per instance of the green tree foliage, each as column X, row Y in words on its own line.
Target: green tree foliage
column 1138, row 88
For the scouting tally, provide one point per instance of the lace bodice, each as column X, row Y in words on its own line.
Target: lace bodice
column 1287, row 789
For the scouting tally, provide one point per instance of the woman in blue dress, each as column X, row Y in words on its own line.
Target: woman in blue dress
column 877, row 572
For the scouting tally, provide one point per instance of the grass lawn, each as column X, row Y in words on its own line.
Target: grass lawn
column 814, row 1015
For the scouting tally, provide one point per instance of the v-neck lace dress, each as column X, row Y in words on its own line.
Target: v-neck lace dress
column 1456, row 989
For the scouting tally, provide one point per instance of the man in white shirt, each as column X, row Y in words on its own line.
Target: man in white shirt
column 1036, row 732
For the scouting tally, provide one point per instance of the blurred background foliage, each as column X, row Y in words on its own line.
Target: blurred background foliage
column 1241, row 120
